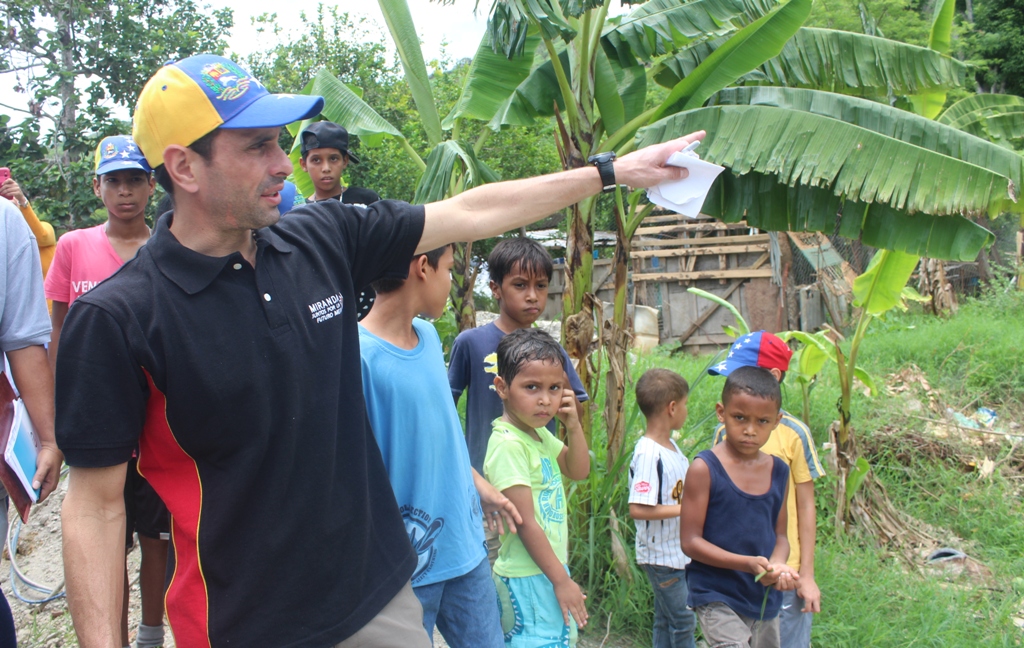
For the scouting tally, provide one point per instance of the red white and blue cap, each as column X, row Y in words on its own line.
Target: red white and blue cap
column 760, row 349
column 117, row 153
column 189, row 98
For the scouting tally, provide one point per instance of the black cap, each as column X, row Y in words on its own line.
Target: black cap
column 325, row 134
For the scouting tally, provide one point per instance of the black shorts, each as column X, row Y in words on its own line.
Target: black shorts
column 144, row 510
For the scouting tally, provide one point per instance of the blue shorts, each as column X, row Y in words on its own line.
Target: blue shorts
column 530, row 614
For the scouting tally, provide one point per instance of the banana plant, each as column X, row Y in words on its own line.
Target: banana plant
column 450, row 166
column 882, row 287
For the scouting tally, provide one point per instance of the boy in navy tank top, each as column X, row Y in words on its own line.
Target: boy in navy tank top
column 733, row 520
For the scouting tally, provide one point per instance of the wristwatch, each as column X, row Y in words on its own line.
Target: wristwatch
column 605, row 166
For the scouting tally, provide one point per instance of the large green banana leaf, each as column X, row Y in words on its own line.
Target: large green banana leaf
column 491, row 79
column 522, row 102
column 345, row 107
column 407, row 42
column 742, row 52
column 803, row 148
column 762, row 202
column 929, row 104
column 888, row 121
column 619, row 92
column 661, row 26
column 880, row 288
column 510, row 22
column 844, row 62
column 1005, row 128
column 977, row 102
column 435, row 183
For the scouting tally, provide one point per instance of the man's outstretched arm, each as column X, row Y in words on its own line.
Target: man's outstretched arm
column 93, row 525
column 491, row 209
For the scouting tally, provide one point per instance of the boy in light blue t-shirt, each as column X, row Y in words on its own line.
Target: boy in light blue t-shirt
column 420, row 437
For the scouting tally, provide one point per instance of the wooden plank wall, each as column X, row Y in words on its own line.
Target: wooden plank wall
column 672, row 253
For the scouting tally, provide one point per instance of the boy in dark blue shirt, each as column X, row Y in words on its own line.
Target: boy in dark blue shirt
column 520, row 271
column 733, row 516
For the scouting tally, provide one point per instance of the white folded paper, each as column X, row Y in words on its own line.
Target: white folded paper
column 686, row 196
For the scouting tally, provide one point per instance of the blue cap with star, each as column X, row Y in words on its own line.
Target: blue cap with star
column 117, row 153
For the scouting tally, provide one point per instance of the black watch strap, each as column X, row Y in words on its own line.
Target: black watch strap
column 605, row 167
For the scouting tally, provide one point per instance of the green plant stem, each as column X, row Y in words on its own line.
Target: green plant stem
column 480, row 141
column 564, row 88
column 805, row 389
column 846, row 377
column 618, row 136
column 602, row 14
column 417, row 160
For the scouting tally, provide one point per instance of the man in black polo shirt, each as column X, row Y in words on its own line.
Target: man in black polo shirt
column 227, row 352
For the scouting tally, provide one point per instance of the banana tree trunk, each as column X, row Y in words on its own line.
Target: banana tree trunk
column 577, row 296
column 616, row 338
column 463, row 280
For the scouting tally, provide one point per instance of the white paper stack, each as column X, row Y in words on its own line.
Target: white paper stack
column 686, row 196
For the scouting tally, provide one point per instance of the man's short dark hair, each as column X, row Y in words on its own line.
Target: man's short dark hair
column 659, row 387
column 519, row 251
column 203, row 146
column 753, row 381
column 391, row 284
column 526, row 345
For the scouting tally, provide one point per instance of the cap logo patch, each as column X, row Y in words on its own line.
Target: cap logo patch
column 226, row 81
column 109, row 150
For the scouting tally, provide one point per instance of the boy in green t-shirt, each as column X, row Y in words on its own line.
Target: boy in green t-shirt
column 526, row 462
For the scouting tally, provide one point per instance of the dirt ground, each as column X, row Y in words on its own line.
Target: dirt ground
column 49, row 625
column 39, row 558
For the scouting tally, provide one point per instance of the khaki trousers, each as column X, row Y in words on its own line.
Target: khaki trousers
column 398, row 625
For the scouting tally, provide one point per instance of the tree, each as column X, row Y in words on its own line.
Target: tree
column 80, row 65
column 591, row 74
column 999, row 39
column 399, row 111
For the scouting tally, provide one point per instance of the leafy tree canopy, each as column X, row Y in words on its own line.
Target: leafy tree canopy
column 999, row 40
column 80, row 66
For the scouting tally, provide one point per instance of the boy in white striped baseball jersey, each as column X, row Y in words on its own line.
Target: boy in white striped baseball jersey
column 656, row 477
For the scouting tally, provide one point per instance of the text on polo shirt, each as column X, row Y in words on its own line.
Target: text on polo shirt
column 327, row 308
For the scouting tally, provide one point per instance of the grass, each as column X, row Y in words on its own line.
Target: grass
column 871, row 597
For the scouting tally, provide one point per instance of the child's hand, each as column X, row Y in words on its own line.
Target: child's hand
column 758, row 564
column 497, row 508
column 781, row 577
column 567, row 412
column 571, row 599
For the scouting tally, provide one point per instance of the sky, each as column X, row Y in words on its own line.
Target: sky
column 435, row 23
column 453, row 24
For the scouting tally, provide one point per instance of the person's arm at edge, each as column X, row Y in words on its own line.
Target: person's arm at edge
column 694, row 510
column 492, row 500
column 457, row 361
column 539, row 548
column 573, row 460
column 807, row 527
column 653, row 511
column 489, row 210
column 31, row 372
column 93, row 528
column 780, row 575
column 57, row 316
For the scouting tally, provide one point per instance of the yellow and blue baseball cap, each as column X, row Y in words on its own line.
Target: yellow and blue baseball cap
column 189, row 98
column 117, row 153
